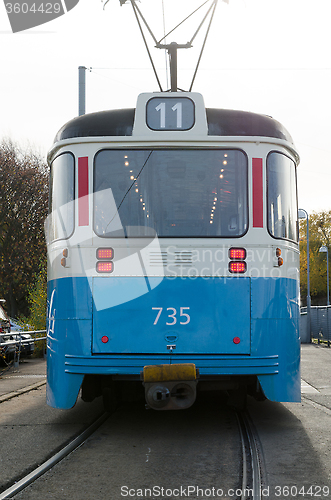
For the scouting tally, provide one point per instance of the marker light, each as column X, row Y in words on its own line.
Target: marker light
column 104, row 339
column 236, row 340
column 237, row 253
column 105, row 253
column 280, row 260
column 237, row 267
column 104, row 267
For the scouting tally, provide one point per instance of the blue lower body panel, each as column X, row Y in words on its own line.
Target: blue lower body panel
column 197, row 316
column 226, row 326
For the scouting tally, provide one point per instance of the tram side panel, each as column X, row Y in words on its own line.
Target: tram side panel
column 275, row 334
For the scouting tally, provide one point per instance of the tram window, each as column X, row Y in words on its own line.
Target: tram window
column 61, row 206
column 282, row 197
column 177, row 193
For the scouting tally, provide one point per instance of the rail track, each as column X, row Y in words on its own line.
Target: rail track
column 251, row 472
column 48, row 464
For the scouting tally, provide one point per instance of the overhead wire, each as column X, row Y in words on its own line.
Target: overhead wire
column 135, row 9
column 183, row 21
column 204, row 42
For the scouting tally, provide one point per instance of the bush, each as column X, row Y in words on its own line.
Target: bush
column 37, row 299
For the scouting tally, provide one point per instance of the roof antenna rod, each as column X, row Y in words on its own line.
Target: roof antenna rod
column 173, row 47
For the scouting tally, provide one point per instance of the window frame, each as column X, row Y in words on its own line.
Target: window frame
column 153, row 148
column 74, row 193
column 295, row 194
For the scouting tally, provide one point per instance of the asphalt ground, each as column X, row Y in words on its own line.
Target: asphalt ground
column 31, row 373
column 296, row 439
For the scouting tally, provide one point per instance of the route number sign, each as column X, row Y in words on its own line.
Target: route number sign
column 170, row 113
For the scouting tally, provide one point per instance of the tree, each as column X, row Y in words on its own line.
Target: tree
column 319, row 235
column 37, row 298
column 23, row 209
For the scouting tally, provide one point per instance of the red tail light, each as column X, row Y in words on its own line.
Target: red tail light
column 105, row 253
column 105, row 267
column 237, row 253
column 237, row 267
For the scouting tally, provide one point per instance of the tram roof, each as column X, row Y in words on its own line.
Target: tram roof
column 221, row 122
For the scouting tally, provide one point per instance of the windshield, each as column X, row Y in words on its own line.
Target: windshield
column 177, row 193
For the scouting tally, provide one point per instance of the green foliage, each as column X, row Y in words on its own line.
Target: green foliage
column 23, row 209
column 319, row 235
column 37, row 299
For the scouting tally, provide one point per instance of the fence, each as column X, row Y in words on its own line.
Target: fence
column 320, row 324
column 16, row 347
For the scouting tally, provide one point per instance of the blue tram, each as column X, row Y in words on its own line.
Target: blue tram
column 173, row 258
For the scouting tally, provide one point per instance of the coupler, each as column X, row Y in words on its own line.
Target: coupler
column 170, row 387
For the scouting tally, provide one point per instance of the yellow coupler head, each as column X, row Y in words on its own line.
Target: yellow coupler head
column 169, row 373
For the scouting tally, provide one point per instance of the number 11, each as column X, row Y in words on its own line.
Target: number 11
column 178, row 107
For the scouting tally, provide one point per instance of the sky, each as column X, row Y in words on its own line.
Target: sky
column 266, row 56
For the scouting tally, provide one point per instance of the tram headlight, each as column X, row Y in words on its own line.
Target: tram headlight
column 105, row 263
column 237, row 264
column 105, row 253
column 105, row 267
column 237, row 267
column 237, row 253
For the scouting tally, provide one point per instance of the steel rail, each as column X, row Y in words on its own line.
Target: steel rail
column 252, row 477
column 66, row 450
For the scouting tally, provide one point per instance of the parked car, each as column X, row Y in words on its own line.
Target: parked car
column 12, row 338
column 4, row 320
column 14, row 326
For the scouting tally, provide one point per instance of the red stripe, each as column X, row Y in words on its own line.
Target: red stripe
column 83, row 203
column 257, row 192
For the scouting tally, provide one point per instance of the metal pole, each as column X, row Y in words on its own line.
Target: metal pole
column 308, row 276
column 308, row 284
column 328, row 294
column 327, row 275
column 172, row 51
column 81, row 90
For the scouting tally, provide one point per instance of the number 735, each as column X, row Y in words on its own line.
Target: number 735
column 172, row 315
